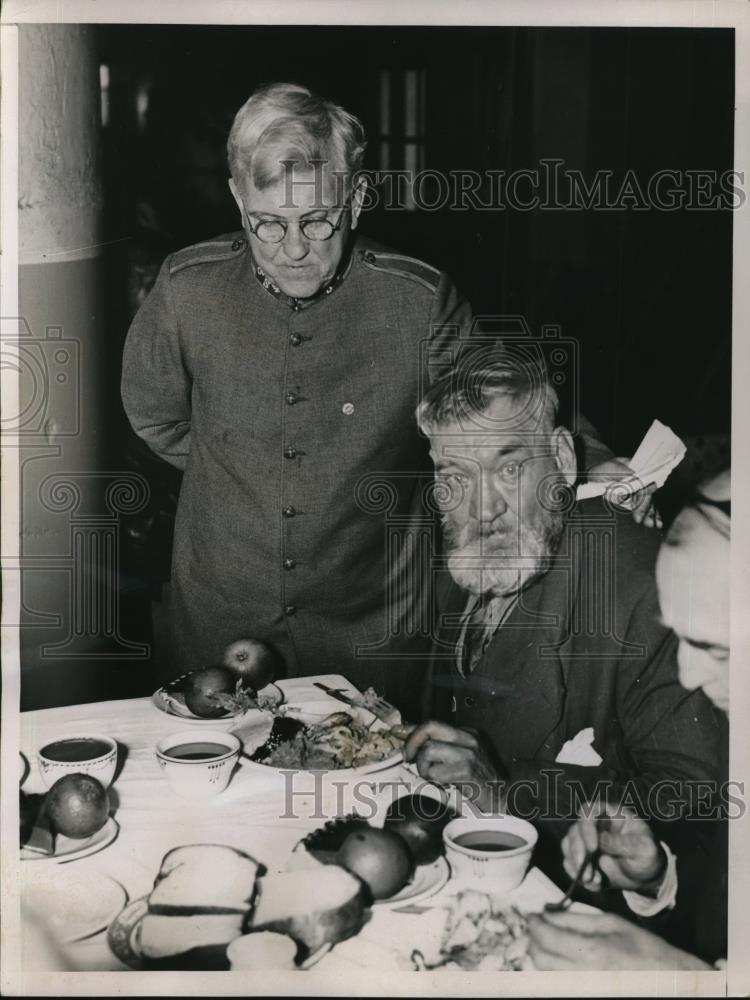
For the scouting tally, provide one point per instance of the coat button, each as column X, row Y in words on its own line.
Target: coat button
column 291, row 398
column 290, row 453
column 469, row 702
column 295, row 340
column 289, row 511
column 290, row 563
column 290, row 609
column 238, row 245
column 347, row 409
column 296, row 306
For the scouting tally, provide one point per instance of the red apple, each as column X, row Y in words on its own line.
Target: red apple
column 253, row 661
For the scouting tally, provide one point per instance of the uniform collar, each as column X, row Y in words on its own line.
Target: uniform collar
column 296, row 304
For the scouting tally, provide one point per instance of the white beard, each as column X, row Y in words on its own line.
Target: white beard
column 501, row 564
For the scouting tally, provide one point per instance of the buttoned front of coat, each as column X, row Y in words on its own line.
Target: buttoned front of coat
column 284, row 415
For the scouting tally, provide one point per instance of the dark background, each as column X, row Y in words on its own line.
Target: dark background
column 646, row 294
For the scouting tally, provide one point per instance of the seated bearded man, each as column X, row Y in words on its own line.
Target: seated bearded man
column 552, row 674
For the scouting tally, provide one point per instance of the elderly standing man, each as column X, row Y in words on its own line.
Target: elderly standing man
column 552, row 671
column 277, row 366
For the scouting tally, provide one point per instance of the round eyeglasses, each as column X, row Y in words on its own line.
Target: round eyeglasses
column 274, row 230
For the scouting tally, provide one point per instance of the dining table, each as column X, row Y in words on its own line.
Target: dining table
column 263, row 812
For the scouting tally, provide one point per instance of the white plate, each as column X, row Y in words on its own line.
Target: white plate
column 428, row 880
column 67, row 849
column 346, row 772
column 76, row 904
column 174, row 706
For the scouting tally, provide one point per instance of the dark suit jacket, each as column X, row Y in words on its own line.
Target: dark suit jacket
column 583, row 647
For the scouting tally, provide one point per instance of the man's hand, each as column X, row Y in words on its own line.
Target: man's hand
column 601, row 941
column 635, row 496
column 449, row 756
column 628, row 854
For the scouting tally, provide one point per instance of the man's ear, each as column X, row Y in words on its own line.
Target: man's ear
column 565, row 454
column 358, row 199
column 236, row 194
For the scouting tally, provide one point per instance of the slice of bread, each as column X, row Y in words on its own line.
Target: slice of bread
column 201, row 897
column 162, row 936
column 321, row 906
column 204, row 878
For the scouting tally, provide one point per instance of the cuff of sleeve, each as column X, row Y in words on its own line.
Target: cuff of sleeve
column 643, row 906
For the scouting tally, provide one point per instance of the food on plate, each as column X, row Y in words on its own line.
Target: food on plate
column 479, row 938
column 283, row 729
column 338, row 741
column 419, row 820
column 325, row 843
column 255, row 662
column 77, row 806
column 380, row 858
column 262, row 950
column 200, row 898
column 315, row 908
column 207, row 689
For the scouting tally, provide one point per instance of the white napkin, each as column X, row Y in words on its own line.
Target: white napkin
column 579, row 750
column 659, row 452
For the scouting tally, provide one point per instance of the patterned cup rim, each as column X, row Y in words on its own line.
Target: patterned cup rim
column 102, row 758
column 505, row 824
column 210, row 736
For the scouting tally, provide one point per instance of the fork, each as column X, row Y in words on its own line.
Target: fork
column 562, row 904
column 379, row 707
column 386, row 712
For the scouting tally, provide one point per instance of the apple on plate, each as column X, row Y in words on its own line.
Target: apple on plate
column 252, row 660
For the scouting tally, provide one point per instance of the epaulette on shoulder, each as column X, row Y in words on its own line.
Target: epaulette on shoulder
column 207, row 253
column 404, row 267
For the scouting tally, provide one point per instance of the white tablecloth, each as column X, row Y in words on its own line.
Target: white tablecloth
column 262, row 814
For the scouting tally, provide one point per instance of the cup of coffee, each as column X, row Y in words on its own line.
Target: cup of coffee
column 198, row 765
column 87, row 753
column 489, row 853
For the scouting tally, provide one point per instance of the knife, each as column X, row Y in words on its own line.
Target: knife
column 337, row 693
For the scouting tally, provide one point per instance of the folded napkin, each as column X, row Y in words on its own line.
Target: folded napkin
column 579, row 750
column 659, row 452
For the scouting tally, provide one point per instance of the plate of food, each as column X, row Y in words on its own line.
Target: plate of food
column 342, row 742
column 212, row 696
column 68, row 849
column 74, row 904
column 214, row 907
column 402, row 862
column 478, row 936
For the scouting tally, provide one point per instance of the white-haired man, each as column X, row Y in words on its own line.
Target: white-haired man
column 552, row 673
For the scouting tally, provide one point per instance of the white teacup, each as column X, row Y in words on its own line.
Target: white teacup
column 198, row 763
column 489, row 853
column 78, row 753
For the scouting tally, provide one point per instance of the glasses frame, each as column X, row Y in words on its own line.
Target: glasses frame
column 302, row 224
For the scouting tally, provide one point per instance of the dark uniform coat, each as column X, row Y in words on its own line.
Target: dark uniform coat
column 294, row 424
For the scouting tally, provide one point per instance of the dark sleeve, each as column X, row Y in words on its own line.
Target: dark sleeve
column 156, row 384
column 671, row 737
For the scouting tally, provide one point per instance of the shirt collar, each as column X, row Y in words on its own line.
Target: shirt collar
column 273, row 289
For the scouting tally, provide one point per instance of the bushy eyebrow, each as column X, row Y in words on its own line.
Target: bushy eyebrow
column 444, row 460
